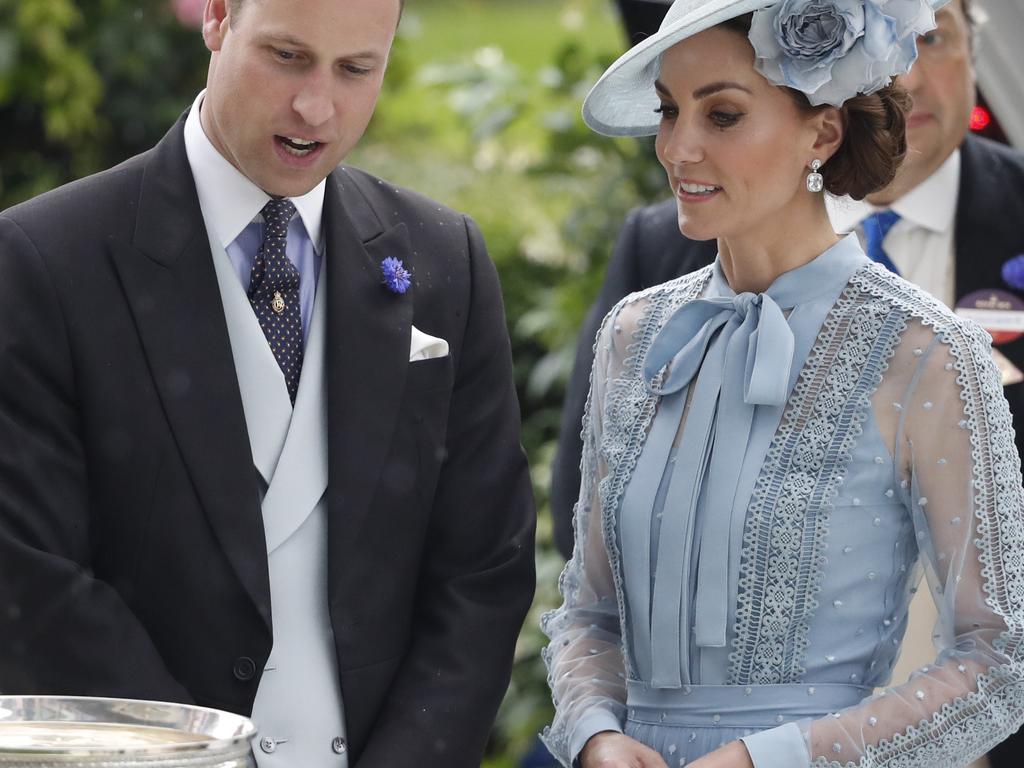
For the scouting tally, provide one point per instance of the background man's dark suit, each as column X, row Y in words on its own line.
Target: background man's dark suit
column 132, row 553
column 651, row 250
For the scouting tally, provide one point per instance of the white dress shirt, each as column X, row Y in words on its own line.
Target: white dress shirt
column 231, row 206
column 921, row 244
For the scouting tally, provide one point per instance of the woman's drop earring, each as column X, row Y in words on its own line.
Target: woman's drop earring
column 815, row 181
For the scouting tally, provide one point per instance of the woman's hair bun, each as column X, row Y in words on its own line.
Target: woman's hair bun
column 875, row 139
column 874, row 143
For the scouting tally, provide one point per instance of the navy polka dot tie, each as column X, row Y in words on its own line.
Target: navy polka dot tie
column 274, row 293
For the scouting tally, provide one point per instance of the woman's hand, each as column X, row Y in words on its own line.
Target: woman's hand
column 731, row 755
column 609, row 749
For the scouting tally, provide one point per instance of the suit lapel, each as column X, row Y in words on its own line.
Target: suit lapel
column 265, row 403
column 368, row 337
column 300, row 477
column 168, row 276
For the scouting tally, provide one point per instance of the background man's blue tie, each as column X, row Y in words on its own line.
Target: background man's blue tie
column 274, row 293
column 876, row 227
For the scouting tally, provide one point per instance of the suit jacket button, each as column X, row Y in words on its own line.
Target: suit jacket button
column 245, row 668
column 339, row 746
column 268, row 745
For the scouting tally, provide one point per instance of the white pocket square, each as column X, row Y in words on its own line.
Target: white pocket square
column 426, row 347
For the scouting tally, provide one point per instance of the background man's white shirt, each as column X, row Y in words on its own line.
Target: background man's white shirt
column 921, row 244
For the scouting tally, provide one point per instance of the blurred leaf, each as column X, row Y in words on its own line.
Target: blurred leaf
column 84, row 85
column 8, row 52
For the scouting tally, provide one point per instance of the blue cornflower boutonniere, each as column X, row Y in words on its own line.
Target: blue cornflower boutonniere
column 396, row 276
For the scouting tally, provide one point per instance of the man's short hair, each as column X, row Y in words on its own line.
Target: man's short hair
column 970, row 11
column 975, row 16
column 236, row 7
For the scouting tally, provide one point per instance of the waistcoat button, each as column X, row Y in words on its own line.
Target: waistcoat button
column 339, row 746
column 244, row 669
column 268, row 745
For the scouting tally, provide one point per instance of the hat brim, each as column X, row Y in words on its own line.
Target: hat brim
column 623, row 101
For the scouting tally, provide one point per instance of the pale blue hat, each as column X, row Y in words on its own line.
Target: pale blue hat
column 623, row 101
column 831, row 50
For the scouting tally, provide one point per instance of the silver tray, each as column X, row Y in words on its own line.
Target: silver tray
column 43, row 731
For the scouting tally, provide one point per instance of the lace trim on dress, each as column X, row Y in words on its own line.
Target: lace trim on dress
column 784, row 540
column 967, row 727
column 972, row 724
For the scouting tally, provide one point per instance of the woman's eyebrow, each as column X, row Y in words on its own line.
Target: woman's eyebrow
column 723, row 85
column 704, row 91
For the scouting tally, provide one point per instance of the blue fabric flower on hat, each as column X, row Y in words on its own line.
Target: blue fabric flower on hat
column 396, row 276
column 833, row 50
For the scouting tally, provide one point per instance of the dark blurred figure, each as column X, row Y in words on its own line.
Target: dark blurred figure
column 642, row 17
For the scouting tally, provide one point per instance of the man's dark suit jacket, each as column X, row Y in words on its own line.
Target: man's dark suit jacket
column 132, row 553
column 989, row 230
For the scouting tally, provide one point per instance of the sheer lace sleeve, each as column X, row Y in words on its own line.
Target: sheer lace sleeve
column 959, row 477
column 584, row 658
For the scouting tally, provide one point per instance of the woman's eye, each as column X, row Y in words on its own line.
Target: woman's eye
column 725, row 119
column 667, row 111
column 931, row 38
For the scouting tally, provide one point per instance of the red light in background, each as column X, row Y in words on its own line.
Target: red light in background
column 981, row 119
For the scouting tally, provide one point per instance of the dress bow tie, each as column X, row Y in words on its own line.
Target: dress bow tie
column 736, row 352
column 685, row 338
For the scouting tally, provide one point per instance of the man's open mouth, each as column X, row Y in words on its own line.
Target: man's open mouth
column 298, row 147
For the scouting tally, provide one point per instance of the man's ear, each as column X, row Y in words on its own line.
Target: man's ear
column 829, row 133
column 216, row 21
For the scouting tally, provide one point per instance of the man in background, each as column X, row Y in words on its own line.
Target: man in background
column 260, row 453
column 641, row 17
column 951, row 222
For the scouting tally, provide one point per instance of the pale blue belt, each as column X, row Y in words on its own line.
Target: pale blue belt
column 737, row 706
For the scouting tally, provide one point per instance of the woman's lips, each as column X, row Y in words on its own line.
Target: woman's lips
column 696, row 191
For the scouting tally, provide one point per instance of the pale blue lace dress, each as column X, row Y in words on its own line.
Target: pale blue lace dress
column 765, row 478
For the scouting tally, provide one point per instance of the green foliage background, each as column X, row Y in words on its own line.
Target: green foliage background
column 480, row 111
